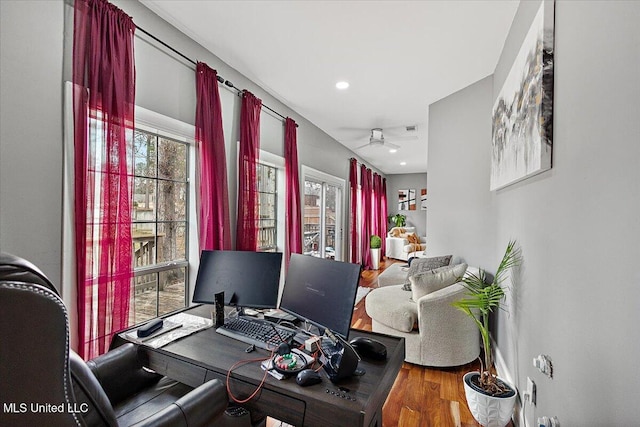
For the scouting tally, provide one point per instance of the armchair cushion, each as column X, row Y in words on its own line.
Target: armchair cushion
column 420, row 265
column 434, row 280
column 394, row 309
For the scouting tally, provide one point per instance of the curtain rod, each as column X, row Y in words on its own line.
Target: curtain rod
column 368, row 167
column 220, row 78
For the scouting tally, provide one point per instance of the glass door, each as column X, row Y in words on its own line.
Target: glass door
column 322, row 215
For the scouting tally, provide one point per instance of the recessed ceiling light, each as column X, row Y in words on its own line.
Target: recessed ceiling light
column 393, row 150
column 403, row 163
column 342, row 85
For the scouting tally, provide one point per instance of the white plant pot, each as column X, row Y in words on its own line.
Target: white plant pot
column 489, row 411
column 375, row 258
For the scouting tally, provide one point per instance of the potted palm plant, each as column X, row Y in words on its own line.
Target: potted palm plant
column 490, row 398
column 375, row 243
column 398, row 219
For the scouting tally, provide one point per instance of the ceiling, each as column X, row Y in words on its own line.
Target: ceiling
column 398, row 57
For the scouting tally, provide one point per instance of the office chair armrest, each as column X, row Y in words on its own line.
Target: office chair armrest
column 198, row 408
column 121, row 373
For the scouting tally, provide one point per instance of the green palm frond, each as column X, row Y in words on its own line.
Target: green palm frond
column 482, row 298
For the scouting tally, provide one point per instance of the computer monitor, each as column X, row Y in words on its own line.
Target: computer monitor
column 248, row 279
column 321, row 291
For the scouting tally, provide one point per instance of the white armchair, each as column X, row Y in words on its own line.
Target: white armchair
column 398, row 243
column 435, row 332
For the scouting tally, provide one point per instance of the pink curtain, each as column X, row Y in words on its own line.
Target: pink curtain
column 375, row 205
column 383, row 215
column 353, row 218
column 293, row 211
column 104, row 99
column 214, row 221
column 247, row 225
column 365, row 226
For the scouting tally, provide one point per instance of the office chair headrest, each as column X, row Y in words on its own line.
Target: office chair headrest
column 16, row 269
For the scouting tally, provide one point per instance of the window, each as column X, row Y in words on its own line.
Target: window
column 267, row 208
column 322, row 216
column 160, row 224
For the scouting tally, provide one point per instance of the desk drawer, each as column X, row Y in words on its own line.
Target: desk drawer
column 276, row 405
column 176, row 369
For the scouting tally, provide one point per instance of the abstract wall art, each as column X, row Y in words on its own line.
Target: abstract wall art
column 407, row 200
column 403, row 200
column 522, row 136
column 412, row 199
column 423, row 199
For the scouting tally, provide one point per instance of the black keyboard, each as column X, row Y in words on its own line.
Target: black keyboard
column 260, row 333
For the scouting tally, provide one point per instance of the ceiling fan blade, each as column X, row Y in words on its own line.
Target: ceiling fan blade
column 391, row 145
column 404, row 138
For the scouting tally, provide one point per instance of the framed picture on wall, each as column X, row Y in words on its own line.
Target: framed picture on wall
column 423, row 199
column 412, row 199
column 523, row 112
column 403, row 200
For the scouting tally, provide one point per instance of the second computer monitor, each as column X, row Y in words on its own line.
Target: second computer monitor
column 248, row 279
column 321, row 291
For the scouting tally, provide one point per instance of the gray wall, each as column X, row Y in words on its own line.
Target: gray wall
column 576, row 296
column 35, row 59
column 460, row 212
column 31, row 39
column 416, row 181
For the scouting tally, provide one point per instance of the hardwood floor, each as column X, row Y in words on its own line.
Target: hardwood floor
column 420, row 396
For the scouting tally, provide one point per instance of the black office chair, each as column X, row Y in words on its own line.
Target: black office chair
column 43, row 382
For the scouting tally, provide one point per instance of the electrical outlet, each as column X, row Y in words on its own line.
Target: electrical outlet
column 548, row 422
column 531, row 391
column 544, row 364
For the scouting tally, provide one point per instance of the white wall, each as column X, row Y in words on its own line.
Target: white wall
column 577, row 295
column 35, row 59
column 415, row 181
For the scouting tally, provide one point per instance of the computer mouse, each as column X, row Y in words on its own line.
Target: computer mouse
column 308, row 377
column 369, row 348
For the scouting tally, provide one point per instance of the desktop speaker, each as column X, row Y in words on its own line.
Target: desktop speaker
column 219, row 309
column 340, row 361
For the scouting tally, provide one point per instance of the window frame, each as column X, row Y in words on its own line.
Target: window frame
column 323, row 178
column 170, row 128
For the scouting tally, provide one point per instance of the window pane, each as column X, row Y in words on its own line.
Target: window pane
column 144, row 245
column 172, row 241
column 312, row 202
column 144, row 154
column 267, row 208
column 159, row 224
column 144, row 197
column 266, row 178
column 172, row 290
column 267, row 205
column 172, row 160
column 172, row 201
column 145, row 298
column 331, row 204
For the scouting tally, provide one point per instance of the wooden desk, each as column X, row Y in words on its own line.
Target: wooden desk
column 207, row 355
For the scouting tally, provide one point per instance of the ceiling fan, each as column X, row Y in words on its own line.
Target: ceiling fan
column 377, row 140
